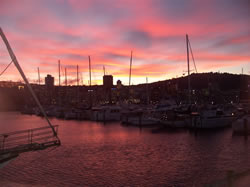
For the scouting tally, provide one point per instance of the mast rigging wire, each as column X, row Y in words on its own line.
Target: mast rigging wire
column 192, row 55
column 6, row 68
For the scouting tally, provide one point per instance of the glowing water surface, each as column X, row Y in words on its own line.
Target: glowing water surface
column 96, row 154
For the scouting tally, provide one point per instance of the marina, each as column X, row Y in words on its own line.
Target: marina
column 204, row 117
column 118, row 93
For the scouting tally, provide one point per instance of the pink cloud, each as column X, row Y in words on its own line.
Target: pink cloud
column 41, row 33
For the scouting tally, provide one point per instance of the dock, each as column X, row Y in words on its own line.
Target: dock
column 35, row 139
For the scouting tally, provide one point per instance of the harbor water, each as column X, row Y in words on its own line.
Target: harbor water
column 97, row 154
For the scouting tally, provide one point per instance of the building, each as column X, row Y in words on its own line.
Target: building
column 49, row 82
column 107, row 81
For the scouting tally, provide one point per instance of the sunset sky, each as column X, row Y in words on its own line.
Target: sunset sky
column 43, row 31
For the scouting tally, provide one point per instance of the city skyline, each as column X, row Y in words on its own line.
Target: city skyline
column 43, row 32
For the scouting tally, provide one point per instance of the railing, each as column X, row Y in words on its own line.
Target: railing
column 28, row 140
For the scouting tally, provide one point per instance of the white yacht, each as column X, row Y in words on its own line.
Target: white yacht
column 209, row 119
column 140, row 117
column 175, row 120
column 106, row 113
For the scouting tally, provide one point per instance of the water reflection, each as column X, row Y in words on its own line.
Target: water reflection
column 93, row 154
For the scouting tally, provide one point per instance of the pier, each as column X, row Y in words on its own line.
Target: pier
column 35, row 139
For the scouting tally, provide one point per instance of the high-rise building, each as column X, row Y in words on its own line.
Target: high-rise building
column 49, row 82
column 108, row 81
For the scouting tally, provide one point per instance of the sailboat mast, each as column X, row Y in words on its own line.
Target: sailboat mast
column 89, row 71
column 38, row 75
column 59, row 73
column 130, row 67
column 90, row 82
column 81, row 79
column 14, row 59
column 189, row 87
column 147, row 91
column 65, row 76
column 77, row 75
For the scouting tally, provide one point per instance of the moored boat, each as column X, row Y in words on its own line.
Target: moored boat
column 210, row 119
column 175, row 120
column 241, row 126
column 106, row 113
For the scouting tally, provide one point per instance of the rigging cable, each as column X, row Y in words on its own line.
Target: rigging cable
column 192, row 56
column 6, row 68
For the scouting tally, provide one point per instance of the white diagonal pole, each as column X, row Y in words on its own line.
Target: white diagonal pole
column 14, row 59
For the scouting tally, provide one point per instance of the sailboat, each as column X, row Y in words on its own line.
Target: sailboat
column 209, row 117
column 178, row 116
column 14, row 143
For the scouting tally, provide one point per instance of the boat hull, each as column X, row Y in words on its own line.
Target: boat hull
column 174, row 124
column 211, row 123
column 241, row 126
